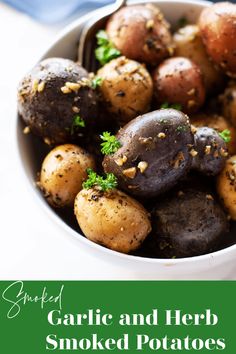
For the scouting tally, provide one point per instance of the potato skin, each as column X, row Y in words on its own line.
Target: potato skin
column 228, row 100
column 48, row 111
column 211, row 151
column 141, row 33
column 218, row 32
column 226, row 186
column 126, row 89
column 155, row 153
column 187, row 222
column 188, row 44
column 62, row 174
column 217, row 123
column 112, row 219
column 179, row 80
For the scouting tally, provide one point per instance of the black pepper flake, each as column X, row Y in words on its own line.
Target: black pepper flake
column 120, row 94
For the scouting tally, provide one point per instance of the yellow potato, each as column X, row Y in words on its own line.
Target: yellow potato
column 126, row 89
column 112, row 219
column 188, row 43
column 226, row 186
column 63, row 172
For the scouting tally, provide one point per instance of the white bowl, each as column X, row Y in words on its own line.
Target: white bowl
column 217, row 265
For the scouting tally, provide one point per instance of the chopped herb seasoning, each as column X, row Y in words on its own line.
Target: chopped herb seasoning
column 96, row 82
column 176, row 106
column 225, row 135
column 77, row 122
column 105, row 51
column 181, row 128
column 110, row 143
column 104, row 183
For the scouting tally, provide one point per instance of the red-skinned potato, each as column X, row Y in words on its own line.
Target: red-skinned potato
column 62, row 174
column 218, row 32
column 141, row 33
column 112, row 219
column 188, row 44
column 179, row 81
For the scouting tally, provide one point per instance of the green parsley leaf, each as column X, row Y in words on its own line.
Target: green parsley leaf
column 102, row 38
column 96, row 82
column 176, row 106
column 183, row 21
column 105, row 51
column 110, row 143
column 181, row 128
column 77, row 122
column 105, row 183
column 225, row 135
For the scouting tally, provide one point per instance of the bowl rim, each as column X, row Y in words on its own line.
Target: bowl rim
column 60, row 222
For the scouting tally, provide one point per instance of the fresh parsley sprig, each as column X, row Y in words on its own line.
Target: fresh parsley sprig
column 176, row 106
column 225, row 135
column 104, row 183
column 96, row 82
column 105, row 51
column 110, row 143
column 76, row 123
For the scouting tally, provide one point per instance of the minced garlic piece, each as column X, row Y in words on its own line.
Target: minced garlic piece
column 73, row 86
column 75, row 109
column 26, row 130
column 142, row 166
column 35, row 85
column 130, row 172
column 161, row 135
column 41, row 86
column 193, row 153
column 208, row 149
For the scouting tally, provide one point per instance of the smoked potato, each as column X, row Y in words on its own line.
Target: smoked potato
column 112, row 219
column 155, row 152
column 141, row 33
column 188, row 222
column 62, row 174
column 179, row 80
column 218, row 123
column 218, row 32
column 52, row 95
column 210, row 151
column 188, row 44
column 126, row 89
column 226, row 186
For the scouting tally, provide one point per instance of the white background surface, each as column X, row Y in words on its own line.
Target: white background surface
column 31, row 246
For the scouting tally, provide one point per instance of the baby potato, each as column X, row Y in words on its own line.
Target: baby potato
column 52, row 96
column 228, row 100
column 155, row 153
column 218, row 32
column 210, row 151
column 179, row 80
column 126, row 89
column 141, row 33
column 226, row 186
column 188, row 44
column 217, row 123
column 62, row 174
column 188, row 222
column 112, row 219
